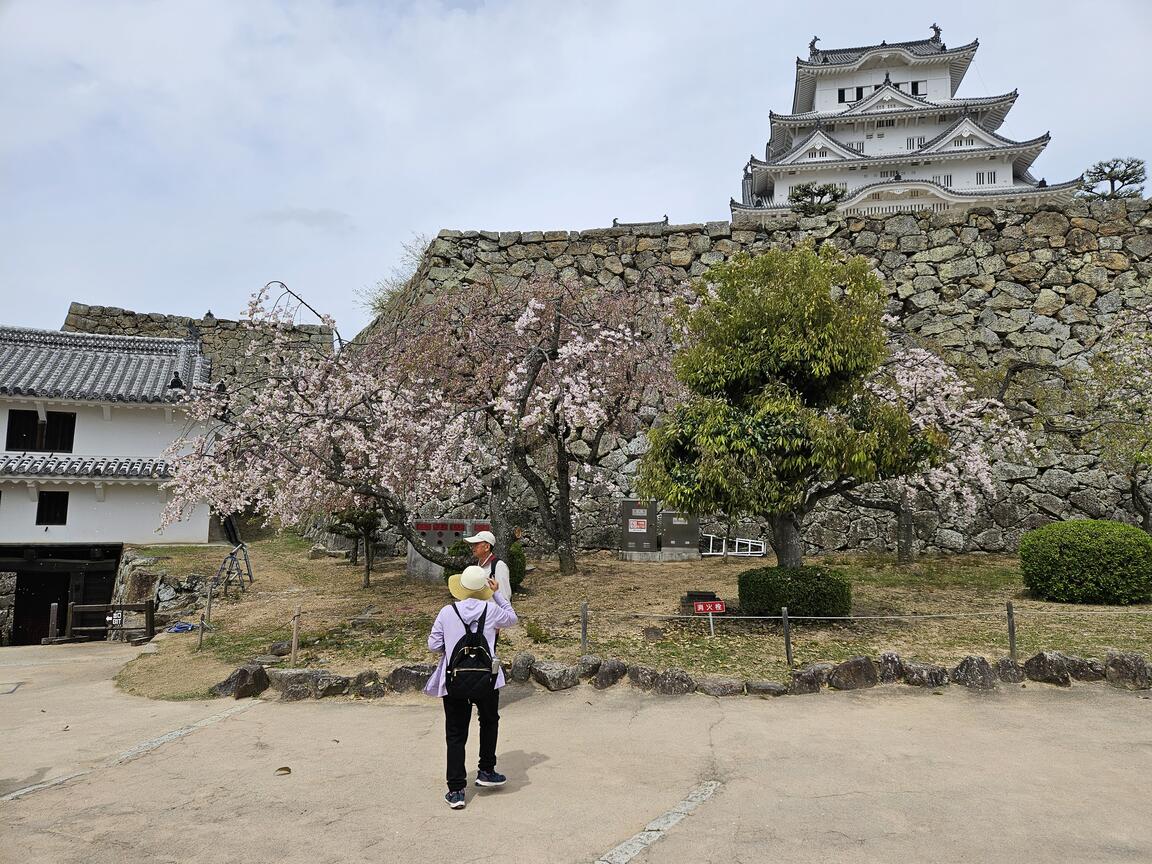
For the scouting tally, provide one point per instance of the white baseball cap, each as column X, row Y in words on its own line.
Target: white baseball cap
column 482, row 537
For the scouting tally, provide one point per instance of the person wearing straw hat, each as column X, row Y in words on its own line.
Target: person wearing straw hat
column 479, row 606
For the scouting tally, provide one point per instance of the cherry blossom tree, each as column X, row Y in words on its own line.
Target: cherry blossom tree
column 972, row 432
column 442, row 403
column 306, row 431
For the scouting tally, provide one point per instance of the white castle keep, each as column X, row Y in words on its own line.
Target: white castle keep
column 883, row 123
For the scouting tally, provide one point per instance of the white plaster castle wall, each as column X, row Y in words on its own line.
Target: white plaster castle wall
column 135, row 432
column 938, row 78
column 128, row 514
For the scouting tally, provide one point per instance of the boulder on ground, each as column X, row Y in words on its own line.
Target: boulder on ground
column 766, row 688
column 854, row 674
column 413, row 676
column 975, row 673
column 330, row 684
column 1081, row 669
column 673, row 682
column 588, row 665
column 720, row 687
column 1128, row 670
column 642, row 677
column 1048, row 667
column 555, row 676
column 280, row 649
column 317, row 551
column 810, row 679
column 522, row 666
column 924, row 674
column 609, row 673
column 891, row 667
column 1009, row 671
column 248, row 680
column 292, row 684
column 268, row 660
column 367, row 685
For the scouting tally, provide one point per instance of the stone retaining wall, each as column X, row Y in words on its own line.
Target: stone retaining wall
column 986, row 286
column 224, row 342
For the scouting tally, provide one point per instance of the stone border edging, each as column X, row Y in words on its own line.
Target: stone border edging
column 1126, row 670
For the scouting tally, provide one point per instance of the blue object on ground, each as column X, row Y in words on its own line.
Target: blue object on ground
column 181, row 627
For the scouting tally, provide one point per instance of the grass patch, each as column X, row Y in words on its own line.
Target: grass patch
column 347, row 628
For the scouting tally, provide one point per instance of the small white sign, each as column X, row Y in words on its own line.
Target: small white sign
column 639, row 526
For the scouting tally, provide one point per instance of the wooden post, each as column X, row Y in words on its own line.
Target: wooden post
column 295, row 636
column 787, row 635
column 711, row 627
column 200, row 637
column 584, row 627
column 70, row 620
column 53, row 614
column 1011, row 632
column 208, row 610
column 150, row 618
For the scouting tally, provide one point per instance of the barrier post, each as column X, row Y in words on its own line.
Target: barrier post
column 295, row 636
column 787, row 635
column 584, row 627
column 53, row 612
column 70, row 620
column 150, row 618
column 1011, row 632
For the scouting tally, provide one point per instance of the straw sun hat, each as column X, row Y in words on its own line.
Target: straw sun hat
column 473, row 582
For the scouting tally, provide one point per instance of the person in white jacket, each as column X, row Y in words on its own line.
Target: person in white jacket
column 476, row 594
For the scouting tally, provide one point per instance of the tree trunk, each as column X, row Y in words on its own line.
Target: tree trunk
column 354, row 557
column 498, row 513
column 786, row 540
column 564, row 546
column 1140, row 501
column 368, row 555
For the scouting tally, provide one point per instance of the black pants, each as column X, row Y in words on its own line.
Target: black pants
column 457, row 718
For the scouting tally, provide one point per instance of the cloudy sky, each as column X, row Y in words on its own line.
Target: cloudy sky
column 174, row 155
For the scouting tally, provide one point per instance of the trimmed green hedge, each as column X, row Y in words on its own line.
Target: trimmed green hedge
column 816, row 591
column 517, row 565
column 1088, row 561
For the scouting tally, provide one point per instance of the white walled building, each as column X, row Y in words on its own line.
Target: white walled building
column 86, row 419
column 884, row 124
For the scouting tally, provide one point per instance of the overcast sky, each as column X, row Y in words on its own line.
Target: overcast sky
column 174, row 155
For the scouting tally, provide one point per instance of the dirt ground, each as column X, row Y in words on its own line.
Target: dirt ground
column 348, row 628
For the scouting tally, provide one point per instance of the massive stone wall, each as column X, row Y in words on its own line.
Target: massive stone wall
column 224, row 342
column 986, row 286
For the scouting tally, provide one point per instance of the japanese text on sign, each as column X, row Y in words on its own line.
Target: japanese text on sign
column 708, row 606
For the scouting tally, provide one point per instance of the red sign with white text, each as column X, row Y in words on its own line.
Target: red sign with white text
column 706, row 606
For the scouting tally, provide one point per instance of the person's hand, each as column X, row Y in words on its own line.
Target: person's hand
column 494, row 585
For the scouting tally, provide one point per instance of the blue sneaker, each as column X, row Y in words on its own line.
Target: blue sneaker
column 490, row 778
column 455, row 799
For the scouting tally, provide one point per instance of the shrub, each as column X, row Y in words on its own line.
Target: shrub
column 536, row 632
column 804, row 590
column 1088, row 561
column 517, row 566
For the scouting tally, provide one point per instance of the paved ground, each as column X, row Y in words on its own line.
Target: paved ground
column 893, row 774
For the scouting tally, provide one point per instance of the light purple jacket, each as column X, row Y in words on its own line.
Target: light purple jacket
column 447, row 631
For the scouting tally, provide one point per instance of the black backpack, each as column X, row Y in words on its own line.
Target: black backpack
column 470, row 666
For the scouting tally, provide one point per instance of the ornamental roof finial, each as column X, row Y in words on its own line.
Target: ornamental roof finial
column 812, row 47
column 887, row 78
column 936, row 31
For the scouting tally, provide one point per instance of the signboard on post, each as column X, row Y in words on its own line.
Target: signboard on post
column 709, row 608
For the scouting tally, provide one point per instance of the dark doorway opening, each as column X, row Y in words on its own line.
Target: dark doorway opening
column 61, row 574
column 35, row 594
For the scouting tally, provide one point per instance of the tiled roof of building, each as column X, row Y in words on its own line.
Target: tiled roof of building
column 92, row 367
column 917, row 48
column 946, row 106
column 69, row 466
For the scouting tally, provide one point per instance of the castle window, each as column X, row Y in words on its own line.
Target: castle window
column 919, row 88
column 889, row 122
column 942, row 179
column 842, row 95
column 27, row 433
column 916, row 143
column 52, row 508
column 885, row 174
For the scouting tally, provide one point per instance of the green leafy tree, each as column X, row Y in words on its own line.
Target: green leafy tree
column 1123, row 177
column 360, row 525
column 776, row 354
column 810, row 199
